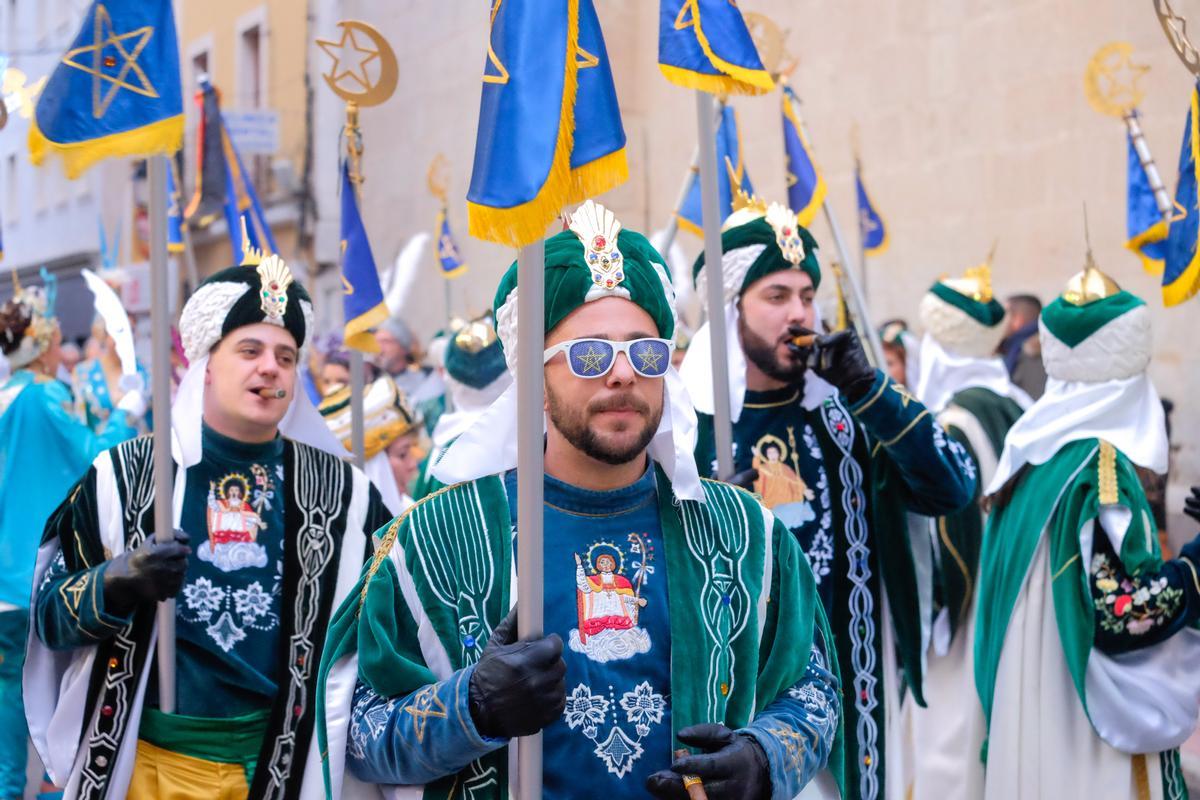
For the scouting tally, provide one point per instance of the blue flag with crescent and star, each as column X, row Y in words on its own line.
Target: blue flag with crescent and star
column 447, row 249
column 116, row 91
column 550, row 129
column 805, row 184
column 731, row 175
column 705, row 45
column 1181, row 272
column 871, row 230
column 363, row 300
column 1145, row 225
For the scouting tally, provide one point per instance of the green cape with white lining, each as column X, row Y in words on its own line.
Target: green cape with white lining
column 442, row 576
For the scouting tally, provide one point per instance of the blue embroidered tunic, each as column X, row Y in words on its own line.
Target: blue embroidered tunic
column 606, row 596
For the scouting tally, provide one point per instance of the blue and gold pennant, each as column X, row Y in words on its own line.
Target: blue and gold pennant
column 363, row 303
column 447, row 249
column 705, row 45
column 1145, row 226
column 1181, row 274
column 116, row 92
column 550, row 129
column 871, row 230
column 731, row 176
column 805, row 184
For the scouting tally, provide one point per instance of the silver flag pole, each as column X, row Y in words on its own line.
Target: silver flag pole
column 531, row 337
column 711, row 215
column 160, row 363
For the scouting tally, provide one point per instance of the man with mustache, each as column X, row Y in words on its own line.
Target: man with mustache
column 678, row 613
column 868, row 450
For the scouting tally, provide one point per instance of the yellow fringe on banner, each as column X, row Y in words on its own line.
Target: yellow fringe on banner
column 881, row 247
column 519, row 225
column 454, row 273
column 1155, row 233
column 599, row 175
column 358, row 333
column 158, row 138
column 1188, row 283
column 736, row 80
column 689, row 226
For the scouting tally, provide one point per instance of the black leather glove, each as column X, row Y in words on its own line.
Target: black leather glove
column 733, row 766
column 517, row 688
column 1191, row 506
column 148, row 574
column 840, row 359
column 745, row 479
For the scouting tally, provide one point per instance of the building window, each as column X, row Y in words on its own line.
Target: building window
column 250, row 76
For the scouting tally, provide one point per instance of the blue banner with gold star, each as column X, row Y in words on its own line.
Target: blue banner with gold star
column 447, row 249
column 550, row 129
column 116, row 91
column 1181, row 274
column 1145, row 226
column 705, row 45
column 731, row 175
column 363, row 300
column 871, row 230
column 805, row 184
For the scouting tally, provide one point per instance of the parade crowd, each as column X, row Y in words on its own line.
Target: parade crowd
column 941, row 576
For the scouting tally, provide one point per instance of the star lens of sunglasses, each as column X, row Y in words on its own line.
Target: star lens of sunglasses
column 594, row 358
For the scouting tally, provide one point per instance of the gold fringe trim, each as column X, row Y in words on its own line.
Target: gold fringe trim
column 689, row 226
column 454, row 273
column 358, row 334
column 519, row 225
column 1188, row 282
column 1108, row 474
column 1155, row 233
column 599, row 175
column 158, row 138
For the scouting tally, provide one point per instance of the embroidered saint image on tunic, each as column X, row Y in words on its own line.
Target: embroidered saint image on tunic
column 609, row 603
column 233, row 523
column 780, row 485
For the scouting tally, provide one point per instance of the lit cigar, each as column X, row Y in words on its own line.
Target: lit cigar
column 271, row 394
column 694, row 786
column 805, row 340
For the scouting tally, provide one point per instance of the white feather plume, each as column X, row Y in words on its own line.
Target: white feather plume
column 399, row 282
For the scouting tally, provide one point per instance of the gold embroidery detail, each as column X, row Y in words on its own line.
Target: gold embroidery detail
column 792, row 742
column 425, row 706
column 1063, row 568
column 1108, row 474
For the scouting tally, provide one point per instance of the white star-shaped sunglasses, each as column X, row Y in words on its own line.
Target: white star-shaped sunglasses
column 594, row 358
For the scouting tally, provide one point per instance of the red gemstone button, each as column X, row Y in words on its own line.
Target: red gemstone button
column 297, row 711
column 107, row 711
column 599, row 242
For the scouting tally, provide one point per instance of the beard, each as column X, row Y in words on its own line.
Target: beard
column 764, row 355
column 573, row 424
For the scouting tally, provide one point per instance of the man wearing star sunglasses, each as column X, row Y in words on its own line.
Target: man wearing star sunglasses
column 678, row 613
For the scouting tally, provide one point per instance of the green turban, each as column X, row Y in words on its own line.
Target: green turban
column 769, row 239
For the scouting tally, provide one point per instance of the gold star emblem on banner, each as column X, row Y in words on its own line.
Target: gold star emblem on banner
column 105, row 36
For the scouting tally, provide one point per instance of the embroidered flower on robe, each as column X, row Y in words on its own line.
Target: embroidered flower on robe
column 203, row 597
column 1129, row 605
column 586, row 709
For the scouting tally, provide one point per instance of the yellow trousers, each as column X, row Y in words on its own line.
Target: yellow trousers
column 159, row 774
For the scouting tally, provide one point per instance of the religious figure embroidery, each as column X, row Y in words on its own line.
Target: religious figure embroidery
column 234, row 523
column 778, row 483
column 609, row 603
column 588, row 711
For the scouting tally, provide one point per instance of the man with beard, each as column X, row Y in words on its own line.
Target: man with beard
column 865, row 447
column 677, row 613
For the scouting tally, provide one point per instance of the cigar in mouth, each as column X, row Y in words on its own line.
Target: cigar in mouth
column 694, row 786
column 804, row 340
column 271, row 394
